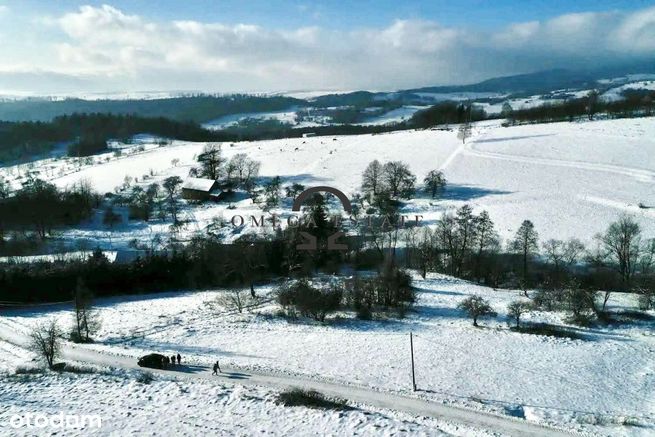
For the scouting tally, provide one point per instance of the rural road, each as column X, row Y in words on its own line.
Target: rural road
column 419, row 407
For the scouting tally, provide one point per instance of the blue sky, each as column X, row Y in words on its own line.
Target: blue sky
column 342, row 13
column 258, row 45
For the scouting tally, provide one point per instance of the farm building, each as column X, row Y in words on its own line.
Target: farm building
column 201, row 189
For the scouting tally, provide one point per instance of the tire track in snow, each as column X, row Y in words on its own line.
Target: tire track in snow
column 641, row 175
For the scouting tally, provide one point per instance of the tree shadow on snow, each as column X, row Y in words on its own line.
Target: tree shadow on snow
column 468, row 192
column 516, row 138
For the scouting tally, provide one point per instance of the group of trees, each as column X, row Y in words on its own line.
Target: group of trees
column 393, row 180
column 240, row 171
column 144, row 203
column 40, row 207
column 565, row 274
column 633, row 103
column 389, row 290
column 459, row 245
column 445, row 113
column 88, row 133
column 466, row 245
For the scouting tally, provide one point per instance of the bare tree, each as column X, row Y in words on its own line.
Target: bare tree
column 86, row 321
column 242, row 171
column 592, row 104
column 235, row 299
column 517, row 309
column 646, row 298
column 171, row 185
column 398, row 179
column 465, row 131
column 372, row 182
column 45, row 341
column 486, row 239
column 621, row 244
column 647, row 257
column 211, row 161
column 434, row 182
column 476, row 307
column 562, row 254
column 507, row 112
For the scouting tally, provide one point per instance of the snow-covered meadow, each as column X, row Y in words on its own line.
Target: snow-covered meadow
column 570, row 179
column 603, row 381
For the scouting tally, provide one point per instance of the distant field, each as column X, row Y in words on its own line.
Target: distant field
column 570, row 179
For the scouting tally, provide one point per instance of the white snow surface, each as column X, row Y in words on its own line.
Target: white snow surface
column 592, row 385
column 570, row 179
column 168, row 406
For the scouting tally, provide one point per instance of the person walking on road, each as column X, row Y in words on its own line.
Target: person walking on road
column 217, row 368
column 179, row 359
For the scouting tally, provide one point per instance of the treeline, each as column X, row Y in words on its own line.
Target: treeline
column 88, row 133
column 204, row 262
column 447, row 113
column 194, row 108
column 40, row 207
column 632, row 104
column 563, row 272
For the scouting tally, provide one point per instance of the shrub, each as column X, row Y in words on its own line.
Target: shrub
column 28, row 370
column 308, row 300
column 646, row 299
column 145, row 378
column 476, row 307
column 310, row 398
column 515, row 310
column 548, row 330
column 390, row 290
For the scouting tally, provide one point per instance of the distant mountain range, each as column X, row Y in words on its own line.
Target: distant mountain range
column 205, row 108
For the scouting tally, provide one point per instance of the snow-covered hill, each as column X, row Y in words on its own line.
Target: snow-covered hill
column 570, row 179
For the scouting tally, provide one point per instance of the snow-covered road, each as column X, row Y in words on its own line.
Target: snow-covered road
column 367, row 396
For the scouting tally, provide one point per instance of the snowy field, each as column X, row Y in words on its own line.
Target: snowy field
column 570, row 179
column 189, row 407
column 597, row 384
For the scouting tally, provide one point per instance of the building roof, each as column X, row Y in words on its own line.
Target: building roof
column 199, row 184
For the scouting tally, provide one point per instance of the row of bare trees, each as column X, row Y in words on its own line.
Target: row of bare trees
column 465, row 244
column 238, row 171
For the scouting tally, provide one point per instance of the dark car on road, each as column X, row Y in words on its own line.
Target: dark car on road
column 154, row 361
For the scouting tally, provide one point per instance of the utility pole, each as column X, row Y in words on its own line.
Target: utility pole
column 411, row 348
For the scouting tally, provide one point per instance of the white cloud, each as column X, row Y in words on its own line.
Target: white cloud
column 113, row 50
